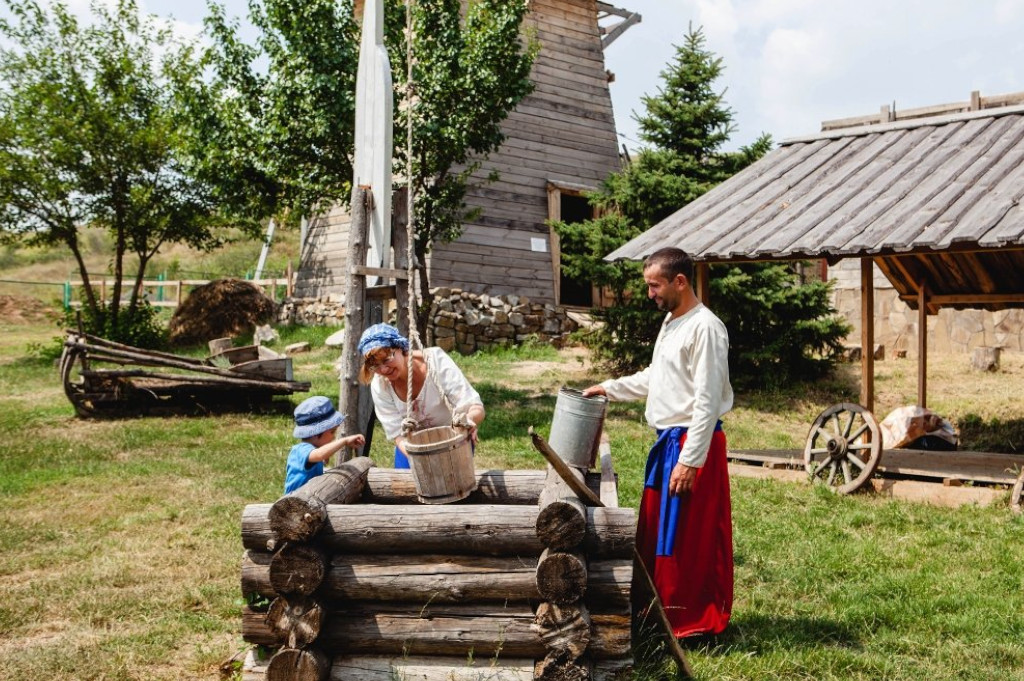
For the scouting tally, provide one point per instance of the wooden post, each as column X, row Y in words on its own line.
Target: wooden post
column 922, row 345
column 867, row 334
column 180, row 286
column 355, row 303
column 289, row 276
column 701, row 284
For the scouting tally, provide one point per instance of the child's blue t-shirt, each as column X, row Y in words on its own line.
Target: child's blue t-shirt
column 298, row 471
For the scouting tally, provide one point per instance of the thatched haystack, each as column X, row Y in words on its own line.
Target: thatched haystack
column 222, row 308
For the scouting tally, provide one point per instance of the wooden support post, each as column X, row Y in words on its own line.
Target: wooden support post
column 867, row 334
column 289, row 284
column 701, row 285
column 922, row 345
column 355, row 303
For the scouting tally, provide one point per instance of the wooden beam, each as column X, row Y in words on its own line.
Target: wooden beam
column 922, row 345
column 937, row 301
column 618, row 29
column 867, row 334
column 385, row 272
column 555, row 215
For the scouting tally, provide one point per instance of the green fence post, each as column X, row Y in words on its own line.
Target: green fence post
column 67, row 295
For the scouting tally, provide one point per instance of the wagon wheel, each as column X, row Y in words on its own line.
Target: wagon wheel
column 844, row 447
column 1015, row 500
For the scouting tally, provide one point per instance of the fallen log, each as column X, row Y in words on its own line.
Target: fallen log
column 561, row 576
column 562, row 518
column 514, row 487
column 300, row 515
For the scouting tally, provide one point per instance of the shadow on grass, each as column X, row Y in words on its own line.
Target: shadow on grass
column 746, row 636
column 978, row 435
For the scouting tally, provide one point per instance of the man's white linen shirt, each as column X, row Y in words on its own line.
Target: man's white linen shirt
column 687, row 382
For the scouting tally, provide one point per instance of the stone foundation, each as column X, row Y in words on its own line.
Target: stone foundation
column 460, row 320
column 896, row 324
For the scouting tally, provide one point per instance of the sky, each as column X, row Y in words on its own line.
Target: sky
column 791, row 64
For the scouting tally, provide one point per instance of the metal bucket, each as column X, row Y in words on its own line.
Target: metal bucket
column 441, row 460
column 576, row 427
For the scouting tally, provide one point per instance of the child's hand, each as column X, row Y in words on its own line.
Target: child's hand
column 355, row 441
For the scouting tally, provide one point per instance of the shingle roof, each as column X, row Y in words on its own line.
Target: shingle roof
column 935, row 201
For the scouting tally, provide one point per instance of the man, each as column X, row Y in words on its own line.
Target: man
column 684, row 530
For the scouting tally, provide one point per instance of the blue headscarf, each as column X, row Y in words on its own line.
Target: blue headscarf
column 381, row 336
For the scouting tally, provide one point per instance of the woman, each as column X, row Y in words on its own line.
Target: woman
column 441, row 395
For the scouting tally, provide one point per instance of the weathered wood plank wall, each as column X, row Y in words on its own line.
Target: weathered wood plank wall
column 563, row 133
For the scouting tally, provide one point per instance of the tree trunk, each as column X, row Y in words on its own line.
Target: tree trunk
column 561, row 577
column 289, row 664
column 297, row 621
column 300, row 515
column 565, row 630
column 562, row 520
column 297, row 569
column 516, row 487
column 482, row 529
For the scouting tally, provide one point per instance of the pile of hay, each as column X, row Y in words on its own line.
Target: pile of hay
column 223, row 308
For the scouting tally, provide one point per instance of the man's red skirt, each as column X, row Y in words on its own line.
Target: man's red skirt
column 695, row 581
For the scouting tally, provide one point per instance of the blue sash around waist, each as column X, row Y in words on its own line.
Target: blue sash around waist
column 663, row 457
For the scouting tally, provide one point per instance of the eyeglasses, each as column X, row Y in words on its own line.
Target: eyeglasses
column 378, row 360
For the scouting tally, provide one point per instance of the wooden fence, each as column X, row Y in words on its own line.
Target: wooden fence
column 169, row 293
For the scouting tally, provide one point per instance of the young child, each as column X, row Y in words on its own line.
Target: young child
column 315, row 423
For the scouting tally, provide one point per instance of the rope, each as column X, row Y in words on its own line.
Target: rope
column 409, row 423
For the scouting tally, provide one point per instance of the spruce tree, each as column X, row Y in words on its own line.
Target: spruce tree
column 780, row 329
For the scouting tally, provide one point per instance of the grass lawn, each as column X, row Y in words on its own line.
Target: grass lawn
column 121, row 548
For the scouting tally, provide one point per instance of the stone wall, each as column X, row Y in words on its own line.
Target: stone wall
column 460, row 320
column 467, row 322
column 951, row 331
column 329, row 311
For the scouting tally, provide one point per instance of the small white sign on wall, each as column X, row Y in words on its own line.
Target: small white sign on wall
column 538, row 245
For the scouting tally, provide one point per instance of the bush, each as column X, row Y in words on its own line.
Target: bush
column 139, row 326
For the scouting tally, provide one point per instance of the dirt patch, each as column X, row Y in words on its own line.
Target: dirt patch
column 23, row 310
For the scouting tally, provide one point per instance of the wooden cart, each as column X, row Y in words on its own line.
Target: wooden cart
column 102, row 378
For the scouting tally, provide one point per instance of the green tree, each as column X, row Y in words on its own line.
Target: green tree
column 279, row 115
column 780, row 329
column 90, row 135
column 272, row 127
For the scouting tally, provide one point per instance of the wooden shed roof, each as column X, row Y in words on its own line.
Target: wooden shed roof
column 933, row 201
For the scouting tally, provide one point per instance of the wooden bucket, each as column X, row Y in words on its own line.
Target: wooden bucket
column 441, row 460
